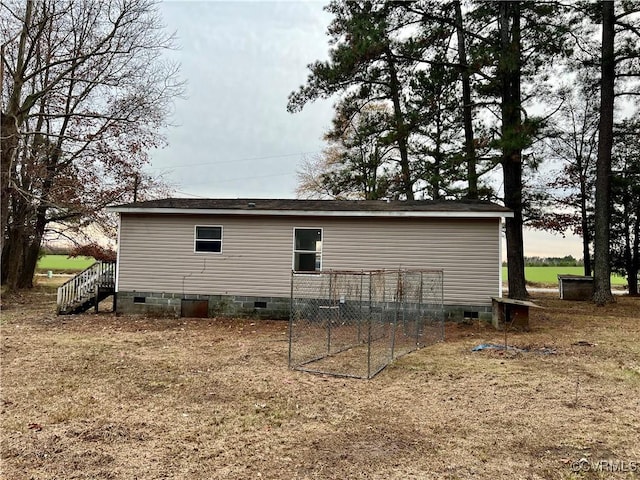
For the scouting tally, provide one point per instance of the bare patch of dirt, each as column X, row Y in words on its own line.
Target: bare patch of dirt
column 97, row 396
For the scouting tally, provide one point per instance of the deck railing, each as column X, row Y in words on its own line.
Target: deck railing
column 85, row 284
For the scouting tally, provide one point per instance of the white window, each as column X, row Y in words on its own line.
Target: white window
column 208, row 239
column 307, row 249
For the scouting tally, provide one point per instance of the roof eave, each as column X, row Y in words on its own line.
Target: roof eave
column 315, row 213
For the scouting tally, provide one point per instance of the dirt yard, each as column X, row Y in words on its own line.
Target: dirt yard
column 104, row 397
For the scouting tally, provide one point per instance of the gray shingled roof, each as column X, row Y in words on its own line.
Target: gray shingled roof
column 258, row 204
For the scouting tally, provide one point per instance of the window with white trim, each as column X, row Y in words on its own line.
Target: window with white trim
column 307, row 249
column 208, row 239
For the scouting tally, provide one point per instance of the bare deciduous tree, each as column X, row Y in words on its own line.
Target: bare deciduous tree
column 85, row 93
column 359, row 161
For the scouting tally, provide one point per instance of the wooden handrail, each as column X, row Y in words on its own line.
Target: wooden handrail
column 85, row 284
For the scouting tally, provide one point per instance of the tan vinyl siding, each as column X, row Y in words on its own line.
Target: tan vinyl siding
column 157, row 253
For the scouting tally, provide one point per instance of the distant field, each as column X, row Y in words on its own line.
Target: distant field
column 549, row 275
column 541, row 275
column 62, row 263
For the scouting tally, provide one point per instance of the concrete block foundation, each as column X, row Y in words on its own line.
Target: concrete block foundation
column 171, row 304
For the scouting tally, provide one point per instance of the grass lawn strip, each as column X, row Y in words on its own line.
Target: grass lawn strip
column 63, row 263
column 549, row 275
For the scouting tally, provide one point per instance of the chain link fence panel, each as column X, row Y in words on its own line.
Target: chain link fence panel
column 354, row 323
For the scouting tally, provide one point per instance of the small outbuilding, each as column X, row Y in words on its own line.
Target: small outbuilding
column 205, row 257
column 575, row 287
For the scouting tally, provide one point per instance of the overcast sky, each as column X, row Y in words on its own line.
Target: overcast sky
column 232, row 135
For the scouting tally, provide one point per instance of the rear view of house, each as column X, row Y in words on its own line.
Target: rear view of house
column 205, row 257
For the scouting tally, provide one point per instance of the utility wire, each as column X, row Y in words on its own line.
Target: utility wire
column 219, row 182
column 239, row 160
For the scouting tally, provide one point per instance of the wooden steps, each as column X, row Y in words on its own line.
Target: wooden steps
column 87, row 289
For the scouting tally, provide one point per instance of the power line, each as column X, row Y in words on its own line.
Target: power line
column 213, row 184
column 189, row 194
column 218, row 181
column 239, row 160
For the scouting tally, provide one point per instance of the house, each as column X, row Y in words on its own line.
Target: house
column 204, row 257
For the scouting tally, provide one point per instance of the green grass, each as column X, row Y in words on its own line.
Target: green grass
column 541, row 275
column 62, row 263
column 549, row 275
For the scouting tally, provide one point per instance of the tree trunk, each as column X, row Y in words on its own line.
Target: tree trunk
column 438, row 160
column 509, row 77
column 628, row 255
column 401, row 128
column 515, row 237
column 586, row 255
column 602, row 267
column 15, row 245
column 632, row 280
column 631, row 223
column 32, row 250
column 467, row 109
column 8, row 147
column 11, row 121
column 632, row 272
column 586, row 236
column 4, row 258
column 31, row 253
column 7, row 150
